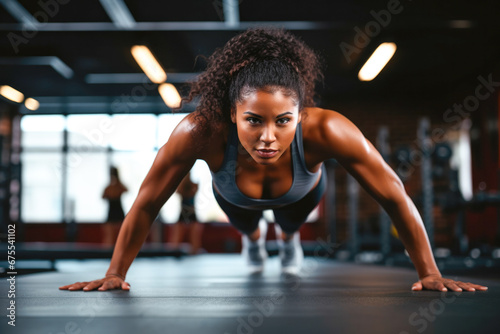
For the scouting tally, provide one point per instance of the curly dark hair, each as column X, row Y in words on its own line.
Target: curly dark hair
column 255, row 59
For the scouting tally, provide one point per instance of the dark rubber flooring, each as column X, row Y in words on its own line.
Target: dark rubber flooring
column 215, row 294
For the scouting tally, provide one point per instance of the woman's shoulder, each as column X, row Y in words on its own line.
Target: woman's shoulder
column 317, row 121
column 331, row 133
column 199, row 125
column 321, row 115
column 328, row 131
column 199, row 134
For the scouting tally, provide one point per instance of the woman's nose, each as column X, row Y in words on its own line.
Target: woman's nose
column 268, row 134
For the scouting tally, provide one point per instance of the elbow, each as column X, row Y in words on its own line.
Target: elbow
column 396, row 196
column 150, row 208
column 145, row 208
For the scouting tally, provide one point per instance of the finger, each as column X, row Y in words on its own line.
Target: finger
column 480, row 287
column 477, row 286
column 65, row 287
column 125, row 286
column 92, row 285
column 473, row 287
column 453, row 286
column 108, row 285
column 466, row 286
column 438, row 286
column 105, row 286
column 417, row 286
column 75, row 286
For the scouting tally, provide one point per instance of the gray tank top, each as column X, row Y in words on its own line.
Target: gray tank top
column 224, row 180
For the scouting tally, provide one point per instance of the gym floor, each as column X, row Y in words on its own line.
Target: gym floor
column 214, row 293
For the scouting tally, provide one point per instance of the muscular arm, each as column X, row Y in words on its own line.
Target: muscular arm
column 173, row 162
column 345, row 142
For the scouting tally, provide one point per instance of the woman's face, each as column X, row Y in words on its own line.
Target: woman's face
column 266, row 124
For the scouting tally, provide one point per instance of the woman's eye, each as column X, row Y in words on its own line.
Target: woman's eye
column 253, row 120
column 283, row 120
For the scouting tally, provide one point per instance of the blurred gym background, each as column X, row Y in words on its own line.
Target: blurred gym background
column 76, row 101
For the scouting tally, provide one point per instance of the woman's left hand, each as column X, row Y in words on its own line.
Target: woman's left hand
column 435, row 282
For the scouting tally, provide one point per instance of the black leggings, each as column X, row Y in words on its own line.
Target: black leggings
column 289, row 217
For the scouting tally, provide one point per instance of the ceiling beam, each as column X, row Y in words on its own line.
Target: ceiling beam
column 133, row 78
column 19, row 12
column 55, row 62
column 243, row 25
column 119, row 13
column 231, row 12
column 177, row 26
column 102, row 105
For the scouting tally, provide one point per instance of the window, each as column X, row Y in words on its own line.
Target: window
column 42, row 192
column 63, row 177
column 89, row 131
column 166, row 125
column 133, row 132
column 42, row 131
column 88, row 175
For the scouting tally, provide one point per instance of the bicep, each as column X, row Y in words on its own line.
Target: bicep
column 361, row 159
column 375, row 175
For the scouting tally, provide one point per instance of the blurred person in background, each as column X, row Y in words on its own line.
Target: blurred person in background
column 113, row 194
column 187, row 218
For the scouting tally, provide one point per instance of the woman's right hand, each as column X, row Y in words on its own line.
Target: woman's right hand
column 110, row 282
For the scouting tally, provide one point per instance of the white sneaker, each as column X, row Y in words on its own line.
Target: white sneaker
column 291, row 253
column 254, row 252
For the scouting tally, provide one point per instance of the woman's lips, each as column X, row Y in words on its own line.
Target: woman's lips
column 266, row 154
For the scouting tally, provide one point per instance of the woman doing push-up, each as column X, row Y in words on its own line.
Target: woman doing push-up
column 257, row 128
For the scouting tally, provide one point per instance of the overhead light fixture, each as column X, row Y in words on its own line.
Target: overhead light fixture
column 461, row 24
column 377, row 61
column 31, row 104
column 170, row 95
column 11, row 94
column 149, row 64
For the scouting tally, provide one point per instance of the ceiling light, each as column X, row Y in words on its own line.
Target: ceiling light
column 377, row 61
column 31, row 104
column 11, row 94
column 149, row 64
column 170, row 95
column 461, row 24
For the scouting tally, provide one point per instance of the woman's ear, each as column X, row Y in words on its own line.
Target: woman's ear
column 233, row 115
column 300, row 116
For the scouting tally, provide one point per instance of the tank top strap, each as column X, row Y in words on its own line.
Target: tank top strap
column 300, row 162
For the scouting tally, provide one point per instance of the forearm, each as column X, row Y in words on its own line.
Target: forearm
column 411, row 231
column 133, row 233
